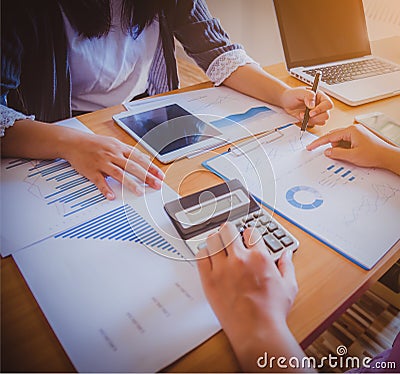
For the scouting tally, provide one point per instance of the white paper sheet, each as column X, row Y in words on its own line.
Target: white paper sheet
column 117, row 305
column 40, row 198
column 354, row 210
column 113, row 279
column 236, row 115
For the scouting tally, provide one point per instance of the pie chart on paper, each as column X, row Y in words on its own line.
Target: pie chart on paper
column 304, row 197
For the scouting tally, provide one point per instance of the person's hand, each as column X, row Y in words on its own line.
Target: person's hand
column 245, row 288
column 354, row 144
column 295, row 100
column 97, row 157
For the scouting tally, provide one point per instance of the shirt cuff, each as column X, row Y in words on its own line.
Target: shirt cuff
column 8, row 116
column 224, row 65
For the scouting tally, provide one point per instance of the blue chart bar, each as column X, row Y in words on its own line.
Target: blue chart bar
column 117, row 224
column 62, row 176
column 341, row 171
column 73, row 190
column 344, row 175
column 18, row 162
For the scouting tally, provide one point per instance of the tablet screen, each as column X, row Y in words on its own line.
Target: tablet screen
column 169, row 128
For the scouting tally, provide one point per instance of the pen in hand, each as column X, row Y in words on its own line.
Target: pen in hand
column 307, row 112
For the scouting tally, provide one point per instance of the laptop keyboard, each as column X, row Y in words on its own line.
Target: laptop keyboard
column 354, row 70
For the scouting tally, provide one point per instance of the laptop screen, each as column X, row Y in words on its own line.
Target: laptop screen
column 320, row 31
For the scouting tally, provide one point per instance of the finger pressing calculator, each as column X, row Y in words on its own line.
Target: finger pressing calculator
column 198, row 215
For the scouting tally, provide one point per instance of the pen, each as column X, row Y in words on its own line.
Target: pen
column 307, row 112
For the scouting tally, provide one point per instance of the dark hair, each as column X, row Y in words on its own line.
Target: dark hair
column 92, row 18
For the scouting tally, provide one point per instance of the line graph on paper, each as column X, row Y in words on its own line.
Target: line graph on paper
column 58, row 184
column 42, row 197
column 48, row 198
column 229, row 109
column 370, row 203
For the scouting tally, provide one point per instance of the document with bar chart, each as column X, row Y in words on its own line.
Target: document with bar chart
column 354, row 210
column 42, row 197
column 113, row 278
column 125, row 288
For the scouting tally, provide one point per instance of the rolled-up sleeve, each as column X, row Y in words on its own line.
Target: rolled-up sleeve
column 8, row 116
column 204, row 40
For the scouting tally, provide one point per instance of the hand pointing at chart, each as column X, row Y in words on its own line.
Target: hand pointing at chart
column 361, row 147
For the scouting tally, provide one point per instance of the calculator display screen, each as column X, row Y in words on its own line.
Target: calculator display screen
column 212, row 208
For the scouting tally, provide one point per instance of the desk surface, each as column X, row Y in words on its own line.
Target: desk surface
column 328, row 282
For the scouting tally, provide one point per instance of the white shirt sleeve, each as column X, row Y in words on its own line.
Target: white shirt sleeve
column 224, row 65
column 8, row 116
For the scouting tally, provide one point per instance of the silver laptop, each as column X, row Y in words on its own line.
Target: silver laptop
column 331, row 36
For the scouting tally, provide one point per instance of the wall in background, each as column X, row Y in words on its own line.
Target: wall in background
column 253, row 24
column 383, row 18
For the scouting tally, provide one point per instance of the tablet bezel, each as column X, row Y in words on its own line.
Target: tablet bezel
column 178, row 153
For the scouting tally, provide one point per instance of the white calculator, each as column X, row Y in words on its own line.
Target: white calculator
column 198, row 215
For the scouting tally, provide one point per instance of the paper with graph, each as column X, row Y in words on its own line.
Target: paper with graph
column 42, row 197
column 118, row 291
column 113, row 278
column 234, row 114
column 356, row 211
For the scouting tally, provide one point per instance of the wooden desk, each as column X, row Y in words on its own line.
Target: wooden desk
column 328, row 282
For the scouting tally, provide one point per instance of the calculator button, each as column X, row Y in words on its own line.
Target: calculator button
column 262, row 230
column 272, row 226
column 273, row 244
column 202, row 246
column 264, row 220
column 286, row 241
column 247, row 219
column 251, row 224
column 258, row 214
column 279, row 234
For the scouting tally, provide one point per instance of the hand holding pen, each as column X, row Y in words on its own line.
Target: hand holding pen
column 293, row 101
column 307, row 112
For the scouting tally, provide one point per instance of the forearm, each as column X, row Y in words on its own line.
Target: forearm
column 33, row 139
column 268, row 349
column 252, row 80
column 391, row 159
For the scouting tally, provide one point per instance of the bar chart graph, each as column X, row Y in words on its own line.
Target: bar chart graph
column 122, row 224
column 55, row 201
column 335, row 174
column 51, row 196
column 65, row 186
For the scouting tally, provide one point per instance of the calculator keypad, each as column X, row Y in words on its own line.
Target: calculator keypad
column 275, row 236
